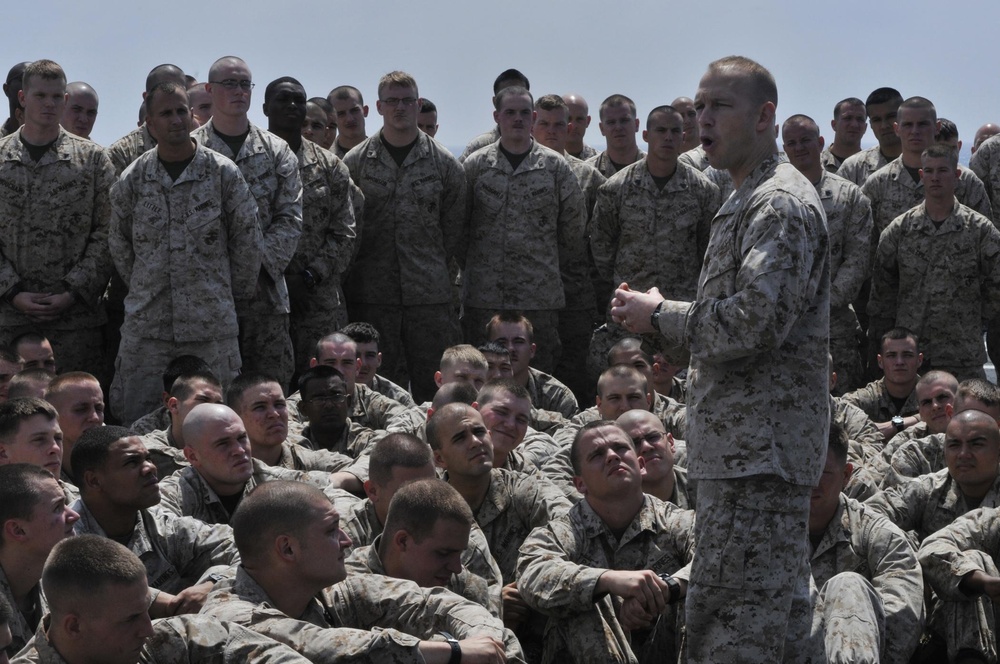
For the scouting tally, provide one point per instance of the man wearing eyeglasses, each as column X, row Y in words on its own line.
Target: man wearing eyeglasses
column 271, row 170
column 326, row 401
column 413, row 225
column 661, row 477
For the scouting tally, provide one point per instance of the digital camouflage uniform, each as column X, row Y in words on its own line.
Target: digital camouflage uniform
column 186, row 249
column 324, row 249
column 414, row 227
column 697, row 158
column 365, row 560
column 514, row 504
column 856, row 423
column 130, row 147
column 187, row 493
column 355, row 441
column 526, row 246
column 53, row 239
column 548, row 393
column 387, row 388
column 184, row 638
column 154, row 420
column 177, row 552
column 560, row 564
column 875, row 401
column 969, row 544
column 164, row 451
column 829, row 161
column 939, row 282
column 585, row 153
column 927, row 504
column 859, row 166
column 871, row 597
column 21, row 626
column 296, row 456
column 602, row 162
column 368, row 409
column 480, row 142
column 849, row 222
column 758, row 336
column 913, row 458
column 361, row 603
column 531, row 453
column 271, row 170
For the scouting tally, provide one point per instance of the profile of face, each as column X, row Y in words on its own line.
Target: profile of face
column 729, row 120
column 127, row 479
column 434, row 559
column 51, row 520
column 115, row 624
column 321, row 549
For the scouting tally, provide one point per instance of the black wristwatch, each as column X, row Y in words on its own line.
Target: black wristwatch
column 897, row 422
column 456, row 649
column 654, row 318
column 673, row 585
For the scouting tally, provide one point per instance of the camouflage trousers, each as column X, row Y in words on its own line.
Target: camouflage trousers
column 575, row 329
column 138, row 383
column 847, row 364
column 751, row 591
column 969, row 625
column 74, row 350
column 314, row 317
column 413, row 338
column 850, row 619
column 545, row 323
column 266, row 347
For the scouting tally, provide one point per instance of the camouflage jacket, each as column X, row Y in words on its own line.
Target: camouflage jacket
column 176, row 551
column 414, row 223
column 54, row 226
column 164, row 452
column 526, row 246
column 548, row 393
column 986, row 164
column 585, row 153
column 875, row 401
column 649, row 236
column 271, row 170
column 602, row 162
column 956, row 550
column 858, row 167
column 20, row 629
column 130, row 147
column 861, row 541
column 913, row 458
column 389, row 389
column 368, row 408
column 939, row 282
column 695, row 157
column 829, row 161
column 480, row 142
column 590, row 180
column 758, row 333
column 186, row 248
column 150, row 422
column 297, row 456
column 187, row 493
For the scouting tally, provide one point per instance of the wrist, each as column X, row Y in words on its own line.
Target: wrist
column 456, row 648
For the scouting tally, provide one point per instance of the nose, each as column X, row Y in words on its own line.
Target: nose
column 71, row 516
column 455, row 564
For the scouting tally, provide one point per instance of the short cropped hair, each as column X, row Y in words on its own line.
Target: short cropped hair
column 345, row 92
column 918, row 104
column 621, row 371
column 362, row 333
column 46, row 70
column 427, row 106
column 838, row 442
column 83, row 566
column 165, row 88
column 510, row 91
column 947, row 130
column 273, row 85
column 665, row 109
column 440, row 415
column 616, row 100
column 978, row 389
column 574, row 449
column 509, row 76
column 323, row 103
column 316, row 373
column 897, row 333
column 883, row 96
column 397, row 449
column 498, row 386
column 281, row 507
column 800, row 118
column 761, row 82
column 459, row 392
column 332, row 338
column 418, row 506
column 462, row 354
column 627, row 345
column 399, row 78
column 183, row 387
column 941, row 151
column 20, row 489
column 510, row 317
column 63, row 381
column 91, row 449
column 937, row 376
column 15, row 411
column 184, row 365
column 24, row 383
column 550, row 103
column 850, row 101
column 494, row 348
column 242, row 383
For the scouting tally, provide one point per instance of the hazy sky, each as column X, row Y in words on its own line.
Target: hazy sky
column 652, row 51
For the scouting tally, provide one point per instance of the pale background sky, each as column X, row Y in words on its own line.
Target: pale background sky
column 652, row 51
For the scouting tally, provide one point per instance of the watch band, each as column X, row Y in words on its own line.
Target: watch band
column 654, row 318
column 673, row 585
column 456, row 649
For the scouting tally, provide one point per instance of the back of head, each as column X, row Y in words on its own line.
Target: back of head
column 272, row 509
column 82, row 567
column 418, row 506
column 15, row 411
column 20, row 489
column 977, row 390
column 91, row 449
column 454, row 393
column 397, row 449
column 884, row 96
column 184, row 365
column 165, row 73
column 29, row 383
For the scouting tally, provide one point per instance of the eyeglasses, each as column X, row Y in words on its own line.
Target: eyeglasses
column 653, row 437
column 232, row 84
column 327, row 399
column 396, row 101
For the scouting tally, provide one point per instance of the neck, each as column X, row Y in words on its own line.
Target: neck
column 664, row 489
column 900, row 390
column 269, row 454
column 618, row 512
column 500, row 458
column 521, row 377
column 624, row 155
column 843, row 151
column 397, row 138
column 348, row 143
column 911, row 160
column 175, row 433
column 22, row 571
column 231, row 125
column 175, row 152
column 974, row 493
column 39, row 135
column 473, row 489
column 292, row 137
column 939, row 209
column 288, row 592
column 661, row 168
column 763, row 149
column 115, row 520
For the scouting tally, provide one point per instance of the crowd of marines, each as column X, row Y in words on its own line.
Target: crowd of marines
column 302, row 393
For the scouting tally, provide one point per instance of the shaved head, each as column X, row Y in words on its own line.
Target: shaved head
column 638, row 417
column 165, row 74
column 223, row 62
column 202, row 417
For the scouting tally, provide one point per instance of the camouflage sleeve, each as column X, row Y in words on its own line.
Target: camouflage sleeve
column 193, row 546
column 989, row 261
column 573, row 268
column 171, row 498
column 333, row 255
column 977, row 198
column 883, row 299
column 943, row 555
column 454, row 222
column 909, row 462
column 605, row 232
column 281, row 237
column 381, row 409
column 321, row 645
column 88, row 278
column 243, row 229
column 548, row 578
column 711, row 201
column 540, row 500
column 199, row 638
column 856, row 252
column 120, row 228
column 903, row 505
column 480, row 562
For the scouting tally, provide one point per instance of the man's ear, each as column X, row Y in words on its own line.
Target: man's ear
column 580, row 485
